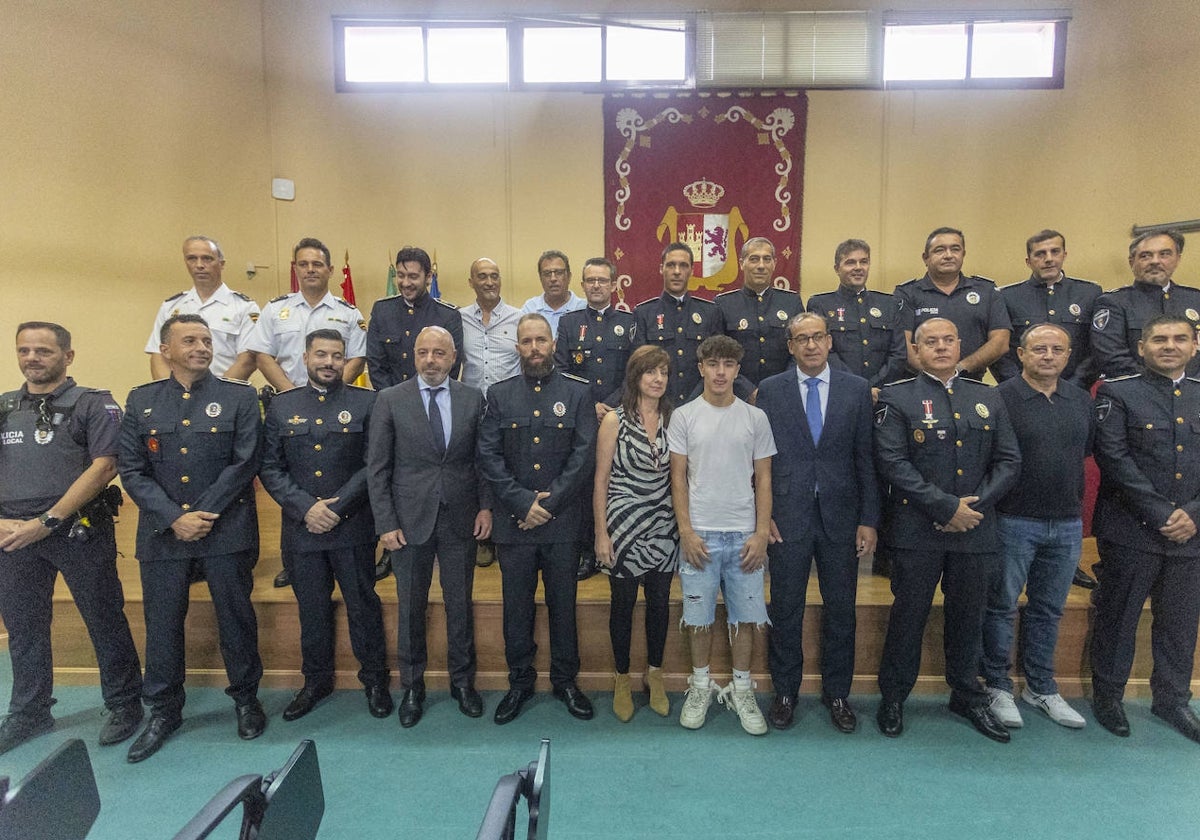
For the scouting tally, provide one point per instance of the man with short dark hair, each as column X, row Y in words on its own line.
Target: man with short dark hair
column 557, row 298
column 190, row 448
column 677, row 322
column 397, row 321
column 1121, row 315
column 430, row 504
column 825, row 509
column 1148, row 450
column 970, row 302
column 58, row 452
column 315, row 467
column 1040, row 526
column 536, row 450
column 946, row 446
column 231, row 315
column 863, row 323
column 757, row 314
column 721, row 450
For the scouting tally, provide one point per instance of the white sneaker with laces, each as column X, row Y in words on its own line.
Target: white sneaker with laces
column 745, row 705
column 1055, row 707
column 695, row 704
column 1005, row 708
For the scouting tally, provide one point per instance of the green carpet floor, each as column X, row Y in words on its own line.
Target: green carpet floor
column 651, row 778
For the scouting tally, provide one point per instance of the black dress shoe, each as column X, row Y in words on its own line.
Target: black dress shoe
column 982, row 718
column 588, row 565
column 782, row 711
column 379, row 701
column 469, row 701
column 283, row 579
column 384, row 567
column 575, row 701
column 122, row 722
column 19, row 728
column 1083, row 580
column 840, row 713
column 485, row 554
column 411, row 707
column 251, row 719
column 1182, row 718
column 1111, row 715
column 510, row 705
column 153, row 736
column 304, row 701
column 890, row 718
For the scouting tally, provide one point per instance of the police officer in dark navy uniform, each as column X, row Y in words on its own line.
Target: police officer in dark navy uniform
column 594, row 344
column 1050, row 297
column 946, row 446
column 757, row 314
column 1122, row 313
column 537, row 450
column 396, row 321
column 58, row 451
column 678, row 322
column 1148, row 450
column 190, row 448
column 314, row 466
column 972, row 303
column 867, row 338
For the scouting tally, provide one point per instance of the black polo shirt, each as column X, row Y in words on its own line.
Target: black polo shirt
column 1055, row 435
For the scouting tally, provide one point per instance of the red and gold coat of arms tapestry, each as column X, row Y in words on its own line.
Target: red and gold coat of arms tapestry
column 710, row 171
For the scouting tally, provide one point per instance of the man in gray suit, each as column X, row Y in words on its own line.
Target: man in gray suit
column 428, row 501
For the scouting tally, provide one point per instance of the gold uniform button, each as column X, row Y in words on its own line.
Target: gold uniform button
column 957, row 416
column 317, row 447
column 760, row 319
column 409, row 312
column 904, row 501
column 319, row 421
column 183, row 479
column 1178, row 476
column 537, row 413
column 321, row 398
column 864, row 342
column 1179, row 447
column 1179, row 421
column 213, row 429
column 958, row 472
column 862, row 320
column 537, row 439
column 318, row 473
column 599, row 319
column 1051, row 291
column 679, row 329
column 186, row 506
column 762, row 361
column 761, row 339
column 406, row 332
column 958, row 443
column 1051, row 312
column 537, row 389
column 537, row 466
column 514, row 425
column 1178, row 393
column 186, row 422
column 560, row 425
column 599, row 381
column 403, row 355
column 186, row 395
column 183, row 450
column 599, row 337
column 680, row 352
column 866, row 364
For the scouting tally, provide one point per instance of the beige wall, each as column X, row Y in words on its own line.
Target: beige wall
column 129, row 125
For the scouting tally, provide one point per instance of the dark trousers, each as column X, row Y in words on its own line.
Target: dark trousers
column 313, row 574
column 1127, row 577
column 413, row 568
column 165, row 600
column 624, row 592
column 26, row 590
column 915, row 576
column 837, row 574
column 519, row 567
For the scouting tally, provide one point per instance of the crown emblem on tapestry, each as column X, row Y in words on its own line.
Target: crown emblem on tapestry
column 703, row 193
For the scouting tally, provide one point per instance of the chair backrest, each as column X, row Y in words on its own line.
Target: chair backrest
column 244, row 790
column 58, row 799
column 499, row 821
column 295, row 798
column 531, row 782
column 537, row 791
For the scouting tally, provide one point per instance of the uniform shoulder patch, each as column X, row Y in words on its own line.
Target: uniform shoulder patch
column 881, row 414
column 704, row 303
column 1123, row 378
column 445, row 303
column 234, row 381
column 648, row 301
column 575, row 378
column 174, row 296
column 281, row 297
column 911, row 282
column 730, row 292
column 901, row 382
column 780, row 291
column 344, row 303
column 983, row 279
column 244, row 296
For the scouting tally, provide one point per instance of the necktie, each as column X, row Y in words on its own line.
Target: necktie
column 812, row 408
column 435, row 421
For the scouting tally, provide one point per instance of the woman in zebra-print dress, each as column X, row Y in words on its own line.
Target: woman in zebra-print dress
column 637, row 540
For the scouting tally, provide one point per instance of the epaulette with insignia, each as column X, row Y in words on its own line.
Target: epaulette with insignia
column 648, row 300
column 704, row 301
column 984, row 279
column 910, row 282
column 243, row 296
column 174, row 296
column 354, row 387
column 900, row 382
column 148, row 384
column 1122, row 378
column 281, row 297
column 576, row 378
column 291, row 390
column 1012, row 285
column 730, row 292
column 784, row 291
column 1195, row 379
column 1119, row 289
column 344, row 303
column 234, row 381
column 444, row 303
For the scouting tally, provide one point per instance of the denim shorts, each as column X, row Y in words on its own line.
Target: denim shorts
column 743, row 591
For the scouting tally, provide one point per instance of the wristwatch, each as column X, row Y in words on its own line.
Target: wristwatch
column 49, row 521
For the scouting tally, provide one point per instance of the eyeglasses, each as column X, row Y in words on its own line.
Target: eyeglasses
column 813, row 338
column 554, row 273
column 595, row 281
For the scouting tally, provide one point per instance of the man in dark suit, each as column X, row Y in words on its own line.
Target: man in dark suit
column 428, row 501
column 189, row 453
column 315, row 467
column 536, row 449
column 945, row 445
column 826, row 506
column 1148, row 450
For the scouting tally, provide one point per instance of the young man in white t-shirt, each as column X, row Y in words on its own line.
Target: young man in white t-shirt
column 721, row 452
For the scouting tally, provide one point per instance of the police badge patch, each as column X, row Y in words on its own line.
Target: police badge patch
column 213, row 409
column 1103, row 407
column 344, row 417
column 560, row 409
column 881, row 415
column 972, row 298
column 1100, row 319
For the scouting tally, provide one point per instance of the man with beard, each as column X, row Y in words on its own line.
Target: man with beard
column 189, row 454
column 536, row 448
column 58, row 452
column 315, row 467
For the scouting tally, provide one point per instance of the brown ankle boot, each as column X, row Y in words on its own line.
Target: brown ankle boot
column 622, row 697
column 658, row 695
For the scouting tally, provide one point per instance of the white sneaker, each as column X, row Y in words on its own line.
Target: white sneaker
column 695, row 704
column 1055, row 707
column 1005, row 708
column 745, row 704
